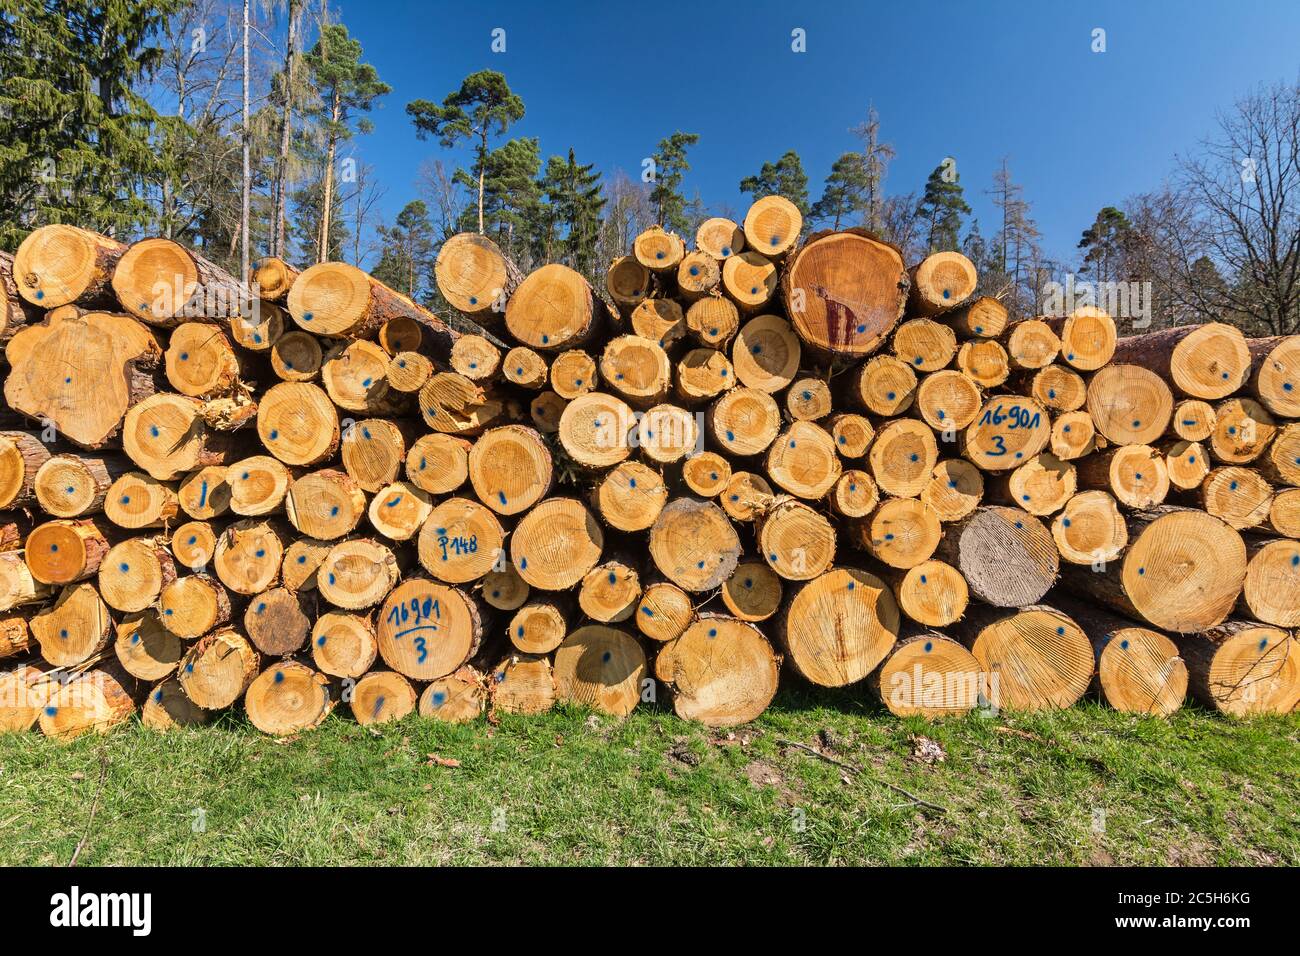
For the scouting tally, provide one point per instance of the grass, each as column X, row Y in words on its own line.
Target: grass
column 1082, row 786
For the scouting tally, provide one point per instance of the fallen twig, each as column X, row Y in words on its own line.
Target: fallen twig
column 856, row 769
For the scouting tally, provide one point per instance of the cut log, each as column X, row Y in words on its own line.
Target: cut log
column 697, row 274
column 373, row 451
column 601, row 668
column 1073, row 436
column 746, row 496
column 744, row 421
column 257, row 330
column 522, row 684
column 202, row 495
column 1275, row 377
column 573, row 373
column 630, row 497
column 853, row 434
column 556, row 544
column 288, row 698
column 325, row 504
column 1035, row 658
column 692, row 542
column 610, row 592
column 21, row 456
column 258, row 485
column 343, row 645
column 924, row 344
column 217, row 669
column 666, row 434
column 355, row 376
column 637, row 369
column 75, row 629
column 302, row 559
column 201, row 361
column 1242, row 668
column 93, row 701
column 65, row 551
column 1008, row 432
column 297, row 357
column 659, row 320
column 472, row 356
column 1088, row 338
column 1090, row 529
column 336, row 299
column 1031, row 344
column 382, row 696
column 1183, row 571
column 456, row 698
column 802, row 459
column 796, row 541
column 1193, row 420
column 665, row 612
column 69, row 486
column 839, row 626
column 722, row 671
column 461, row 541
column 947, row 401
column 272, row 278
column 474, row 275
column 276, row 622
column 1129, row 405
column 145, row 649
column 941, row 281
column 554, row 309
column 80, row 373
column 523, row 367
column 15, row 637
column 133, row 574
column 1271, row 591
column 929, row 675
column 713, row 320
column 628, row 283
column 753, row 593
column 772, row 225
column 538, row 627
column 703, row 374
column 1041, row 486
column 167, row 708
column 1208, row 361
column 63, row 265
column 165, row 435
column 399, row 510
column 932, row 593
column 357, row 574
column 719, row 238
column 658, row 250
column 902, row 457
column 248, row 556
column 192, row 606
column 428, row 630
column 1058, row 388
column 15, row 311
column 1187, row 463
column 984, row 362
column 955, row 489
column 504, row 590
column 845, row 292
column 706, row 474
column 193, row 544
column 1006, row 555
column 163, row 283
column 24, row 692
column 808, row 400
column 1134, row 474
column 766, row 353
column 901, row 533
column 1281, row 463
column 137, row 501
column 438, row 464
column 983, row 317
column 594, row 430
column 1243, row 429
column 855, row 495
column 1238, row 496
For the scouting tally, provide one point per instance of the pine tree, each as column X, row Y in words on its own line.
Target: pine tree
column 785, row 178
column 845, row 192
column 74, row 130
column 574, row 193
column 346, row 86
column 1106, row 241
column 512, row 207
column 670, row 166
column 407, row 252
column 484, row 104
column 942, row 207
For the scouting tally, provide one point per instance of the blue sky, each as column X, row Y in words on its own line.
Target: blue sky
column 976, row 81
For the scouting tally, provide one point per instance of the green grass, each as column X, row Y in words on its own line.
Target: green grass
column 1082, row 786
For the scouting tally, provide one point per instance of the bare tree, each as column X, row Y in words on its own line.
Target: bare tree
column 875, row 163
column 444, row 195
column 1243, row 193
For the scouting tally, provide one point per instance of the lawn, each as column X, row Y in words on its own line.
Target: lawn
column 1082, row 786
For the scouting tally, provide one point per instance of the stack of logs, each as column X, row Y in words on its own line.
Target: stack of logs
column 756, row 452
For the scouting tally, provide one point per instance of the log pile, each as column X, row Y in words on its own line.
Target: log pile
column 758, row 459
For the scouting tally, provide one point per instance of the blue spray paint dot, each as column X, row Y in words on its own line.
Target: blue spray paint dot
column 279, row 677
column 1123, row 645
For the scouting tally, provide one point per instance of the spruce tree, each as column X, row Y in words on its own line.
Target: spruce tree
column 845, row 192
column 407, row 252
column 785, row 178
column 670, row 166
column 512, row 202
column 573, row 191
column 1105, row 243
column 942, row 207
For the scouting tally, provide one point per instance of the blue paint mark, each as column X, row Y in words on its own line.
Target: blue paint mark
column 334, row 511
column 923, row 581
column 1066, row 522
column 1142, row 571
column 40, row 294
column 929, row 646
column 1263, row 643
column 1060, row 631
column 545, row 339
column 51, row 711
column 439, row 698
column 501, row 496
column 395, row 501
column 124, row 567
column 307, row 317
column 275, row 433
column 647, row 612
column 185, row 356
column 126, row 499
column 606, row 657
column 915, row 457
column 158, row 696
column 713, row 632
column 890, row 396
column 523, row 564
column 257, row 338
column 135, row 638
column 54, row 547
column 279, row 677
column 890, row 536
column 1123, row 645
column 302, row 559
column 1066, row 429
column 261, row 607
column 1191, row 459
column 1137, row 476
column 153, row 429
column 613, row 578
column 320, row 641
column 261, row 552
column 852, row 585
column 700, row 564
column 63, row 632
column 412, row 630
column 731, row 436
column 843, row 440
